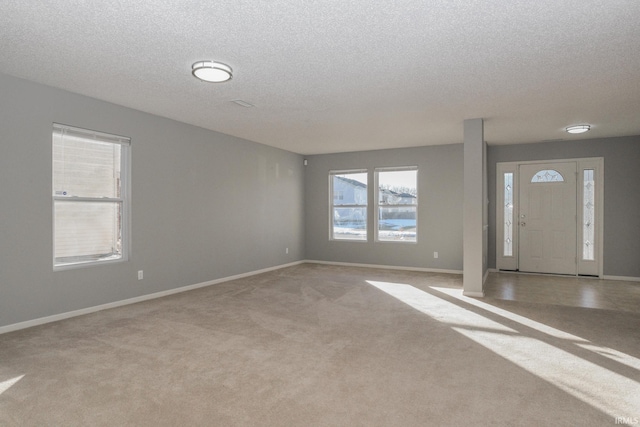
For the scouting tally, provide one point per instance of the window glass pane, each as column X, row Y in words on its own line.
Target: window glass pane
column 349, row 205
column 350, row 189
column 397, row 223
column 508, row 214
column 588, row 215
column 87, row 231
column 397, row 187
column 85, row 168
column 350, row 223
column 547, row 175
column 397, row 205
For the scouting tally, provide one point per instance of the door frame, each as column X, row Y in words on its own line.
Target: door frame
column 510, row 261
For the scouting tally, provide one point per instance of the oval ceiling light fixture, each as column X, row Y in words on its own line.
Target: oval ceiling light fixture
column 210, row 71
column 578, row 128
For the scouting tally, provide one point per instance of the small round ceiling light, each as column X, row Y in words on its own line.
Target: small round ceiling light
column 578, row 128
column 210, row 71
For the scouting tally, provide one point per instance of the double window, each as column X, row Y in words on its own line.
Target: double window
column 396, row 204
column 90, row 196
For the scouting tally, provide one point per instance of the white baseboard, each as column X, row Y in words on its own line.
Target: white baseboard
column 604, row 277
column 388, row 267
column 622, row 278
column 141, row 298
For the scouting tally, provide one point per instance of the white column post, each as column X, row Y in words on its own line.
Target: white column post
column 473, row 248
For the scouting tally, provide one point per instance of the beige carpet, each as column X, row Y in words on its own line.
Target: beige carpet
column 316, row 345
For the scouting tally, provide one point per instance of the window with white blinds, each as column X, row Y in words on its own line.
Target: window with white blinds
column 90, row 196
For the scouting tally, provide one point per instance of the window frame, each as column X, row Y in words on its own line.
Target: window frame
column 332, row 206
column 123, row 201
column 378, row 205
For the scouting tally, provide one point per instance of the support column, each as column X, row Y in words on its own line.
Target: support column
column 473, row 248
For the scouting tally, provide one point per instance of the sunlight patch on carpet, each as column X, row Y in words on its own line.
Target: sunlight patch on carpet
column 612, row 354
column 602, row 388
column 6, row 385
column 607, row 352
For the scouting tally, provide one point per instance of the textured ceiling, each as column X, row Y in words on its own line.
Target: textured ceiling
column 335, row 75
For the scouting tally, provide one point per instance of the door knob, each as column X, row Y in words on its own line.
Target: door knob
column 523, row 223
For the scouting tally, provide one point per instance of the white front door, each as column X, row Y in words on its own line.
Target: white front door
column 547, row 218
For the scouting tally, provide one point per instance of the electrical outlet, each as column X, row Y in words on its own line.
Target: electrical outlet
column 140, row 274
column 286, row 251
column 435, row 254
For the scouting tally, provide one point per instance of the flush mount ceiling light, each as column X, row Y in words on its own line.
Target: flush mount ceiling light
column 210, row 71
column 578, row 128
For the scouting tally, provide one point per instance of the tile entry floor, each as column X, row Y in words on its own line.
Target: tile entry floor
column 585, row 292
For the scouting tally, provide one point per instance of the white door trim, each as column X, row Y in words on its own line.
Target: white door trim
column 511, row 261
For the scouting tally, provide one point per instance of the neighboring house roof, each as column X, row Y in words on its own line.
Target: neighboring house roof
column 407, row 198
column 393, row 197
column 351, row 181
column 406, row 195
column 362, row 185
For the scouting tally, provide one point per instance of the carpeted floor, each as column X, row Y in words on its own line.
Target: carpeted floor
column 318, row 345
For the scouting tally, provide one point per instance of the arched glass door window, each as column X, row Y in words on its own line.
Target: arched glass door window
column 547, row 175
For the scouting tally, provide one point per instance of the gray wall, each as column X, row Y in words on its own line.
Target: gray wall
column 207, row 205
column 621, row 193
column 440, row 196
column 204, row 205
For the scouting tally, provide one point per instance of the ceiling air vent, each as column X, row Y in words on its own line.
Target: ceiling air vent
column 242, row 103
